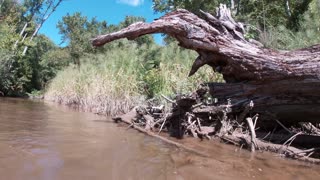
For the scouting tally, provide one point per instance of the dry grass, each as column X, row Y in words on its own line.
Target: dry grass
column 114, row 82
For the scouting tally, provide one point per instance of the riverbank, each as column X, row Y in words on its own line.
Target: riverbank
column 201, row 121
column 113, row 83
column 205, row 119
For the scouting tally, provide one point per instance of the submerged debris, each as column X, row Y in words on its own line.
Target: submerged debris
column 198, row 116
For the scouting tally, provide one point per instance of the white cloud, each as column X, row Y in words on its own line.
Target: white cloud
column 131, row 2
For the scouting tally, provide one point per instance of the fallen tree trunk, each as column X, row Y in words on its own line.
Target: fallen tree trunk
column 285, row 84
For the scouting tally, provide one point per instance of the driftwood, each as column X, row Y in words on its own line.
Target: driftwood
column 214, row 121
column 288, row 151
column 284, row 83
column 128, row 119
column 269, row 96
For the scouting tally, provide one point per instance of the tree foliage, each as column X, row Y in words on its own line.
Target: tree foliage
column 260, row 13
column 76, row 31
column 283, row 24
column 21, row 70
column 308, row 34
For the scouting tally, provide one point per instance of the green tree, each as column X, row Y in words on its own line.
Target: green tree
column 76, row 31
column 20, row 71
column 51, row 63
column 308, row 34
column 260, row 13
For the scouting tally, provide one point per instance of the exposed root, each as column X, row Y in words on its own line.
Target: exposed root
column 194, row 115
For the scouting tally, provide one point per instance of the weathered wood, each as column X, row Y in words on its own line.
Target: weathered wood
column 290, row 101
column 284, row 83
column 288, row 151
column 128, row 119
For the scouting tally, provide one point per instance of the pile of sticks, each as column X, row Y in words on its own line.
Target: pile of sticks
column 200, row 116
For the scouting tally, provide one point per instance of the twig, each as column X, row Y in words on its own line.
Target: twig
column 165, row 119
column 255, row 118
column 291, row 139
column 311, row 129
column 309, row 154
column 309, row 150
column 252, row 133
column 197, row 105
column 179, row 145
column 191, row 124
column 168, row 99
column 226, row 138
column 130, row 126
column 283, row 126
column 158, row 121
column 266, row 136
column 290, row 152
column 199, row 124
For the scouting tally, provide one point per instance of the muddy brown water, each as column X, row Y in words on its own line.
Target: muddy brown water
column 40, row 140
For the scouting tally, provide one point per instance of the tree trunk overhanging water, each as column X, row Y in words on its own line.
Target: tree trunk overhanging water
column 284, row 83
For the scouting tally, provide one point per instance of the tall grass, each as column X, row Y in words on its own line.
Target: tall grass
column 308, row 34
column 121, row 78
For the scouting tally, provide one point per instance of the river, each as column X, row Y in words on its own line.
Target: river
column 41, row 140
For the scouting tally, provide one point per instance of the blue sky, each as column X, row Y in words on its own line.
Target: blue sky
column 113, row 11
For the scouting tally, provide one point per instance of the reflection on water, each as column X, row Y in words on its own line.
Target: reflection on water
column 44, row 141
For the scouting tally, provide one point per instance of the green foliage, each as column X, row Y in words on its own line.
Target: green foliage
column 7, row 36
column 191, row 5
column 14, row 73
column 277, row 24
column 262, row 14
column 10, row 12
column 52, row 62
column 36, row 94
column 24, row 74
column 308, row 34
column 104, row 82
column 131, row 68
column 7, row 61
column 76, row 30
column 21, row 74
column 116, row 80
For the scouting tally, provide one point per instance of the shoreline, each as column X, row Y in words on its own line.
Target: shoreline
column 96, row 107
column 238, row 140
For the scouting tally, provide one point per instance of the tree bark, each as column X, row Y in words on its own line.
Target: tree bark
column 283, row 83
column 21, row 34
column 287, row 8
